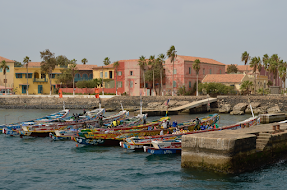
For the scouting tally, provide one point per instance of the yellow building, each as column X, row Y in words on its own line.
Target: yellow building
column 9, row 73
column 105, row 72
column 38, row 82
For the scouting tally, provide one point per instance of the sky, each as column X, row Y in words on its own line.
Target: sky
column 126, row 29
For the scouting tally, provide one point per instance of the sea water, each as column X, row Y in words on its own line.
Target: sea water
column 40, row 163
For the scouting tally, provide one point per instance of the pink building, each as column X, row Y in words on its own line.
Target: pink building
column 184, row 75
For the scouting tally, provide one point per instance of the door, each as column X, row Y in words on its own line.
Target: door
column 40, row 89
column 24, row 88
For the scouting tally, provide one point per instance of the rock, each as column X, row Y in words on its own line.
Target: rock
column 255, row 104
column 225, row 108
column 274, row 109
column 171, row 103
column 237, row 112
column 240, row 107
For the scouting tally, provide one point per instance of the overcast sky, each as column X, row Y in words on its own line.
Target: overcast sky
column 126, row 29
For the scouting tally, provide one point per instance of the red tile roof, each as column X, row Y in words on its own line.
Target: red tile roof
column 85, row 67
column 243, row 68
column 222, row 78
column 7, row 60
column 33, row 64
column 204, row 60
column 104, row 66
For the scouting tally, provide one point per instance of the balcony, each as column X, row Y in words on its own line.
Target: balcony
column 40, row 80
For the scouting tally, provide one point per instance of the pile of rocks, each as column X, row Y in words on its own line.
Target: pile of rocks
column 162, row 105
column 242, row 108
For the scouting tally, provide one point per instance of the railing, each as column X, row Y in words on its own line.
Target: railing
column 40, row 80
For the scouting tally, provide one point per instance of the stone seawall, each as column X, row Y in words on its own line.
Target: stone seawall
column 80, row 102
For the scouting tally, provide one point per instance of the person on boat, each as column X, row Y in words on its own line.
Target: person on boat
column 174, row 123
column 168, row 124
column 118, row 122
column 97, row 125
column 84, row 112
column 202, row 127
column 164, row 125
column 101, row 121
column 114, row 123
column 197, row 126
column 161, row 132
column 149, row 128
column 144, row 121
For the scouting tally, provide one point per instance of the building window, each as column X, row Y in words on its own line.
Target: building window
column 131, row 84
column 91, row 76
column 219, row 71
column 189, row 84
column 189, row 70
column 120, row 84
column 119, row 73
column 131, row 73
column 53, row 76
column 29, row 75
column 174, row 71
column 101, row 74
column 18, row 76
column 106, row 74
column 203, row 71
column 146, row 85
column 209, row 71
column 174, row 84
column 85, row 76
column 43, row 76
column 110, row 74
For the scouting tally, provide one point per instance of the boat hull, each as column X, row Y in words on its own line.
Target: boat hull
column 96, row 142
column 153, row 150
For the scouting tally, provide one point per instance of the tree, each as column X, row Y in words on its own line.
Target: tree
column 245, row 86
column 255, row 63
column 196, row 67
column 73, row 71
column 17, row 64
column 245, row 58
column 66, row 77
column 107, row 61
column 265, row 61
column 62, row 61
column 160, row 61
column 232, row 68
column 282, row 71
column 142, row 63
column 48, row 64
column 273, row 67
column 171, row 53
column 84, row 61
column 4, row 67
column 152, row 62
column 27, row 60
column 116, row 65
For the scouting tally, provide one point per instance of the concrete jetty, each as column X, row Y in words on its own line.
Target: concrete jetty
column 235, row 151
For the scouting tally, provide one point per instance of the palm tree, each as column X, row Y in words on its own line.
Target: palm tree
column 265, row 60
column 152, row 62
column 72, row 68
column 142, row 63
column 245, row 58
column 196, row 67
column 4, row 67
column 274, row 63
column 27, row 60
column 107, row 61
column 255, row 62
column 282, row 72
column 171, row 53
column 245, row 86
column 160, row 61
column 84, row 61
column 116, row 65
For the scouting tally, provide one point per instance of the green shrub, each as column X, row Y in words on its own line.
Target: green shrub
column 215, row 88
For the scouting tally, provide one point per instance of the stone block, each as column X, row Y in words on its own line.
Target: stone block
column 225, row 108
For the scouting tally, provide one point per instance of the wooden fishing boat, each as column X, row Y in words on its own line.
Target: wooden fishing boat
column 43, row 130
column 72, row 132
column 164, row 147
column 114, row 135
column 138, row 142
column 11, row 129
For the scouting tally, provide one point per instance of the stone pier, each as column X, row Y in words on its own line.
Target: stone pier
column 235, row 151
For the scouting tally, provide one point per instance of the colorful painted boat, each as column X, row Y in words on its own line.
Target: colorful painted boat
column 164, row 147
column 43, row 130
column 72, row 131
column 153, row 150
column 139, row 142
column 11, row 129
column 114, row 135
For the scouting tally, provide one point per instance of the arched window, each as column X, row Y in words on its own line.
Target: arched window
column 85, row 77
column 77, row 75
column 36, row 75
column 91, row 76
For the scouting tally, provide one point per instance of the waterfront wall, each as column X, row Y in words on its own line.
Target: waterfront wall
column 235, row 151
